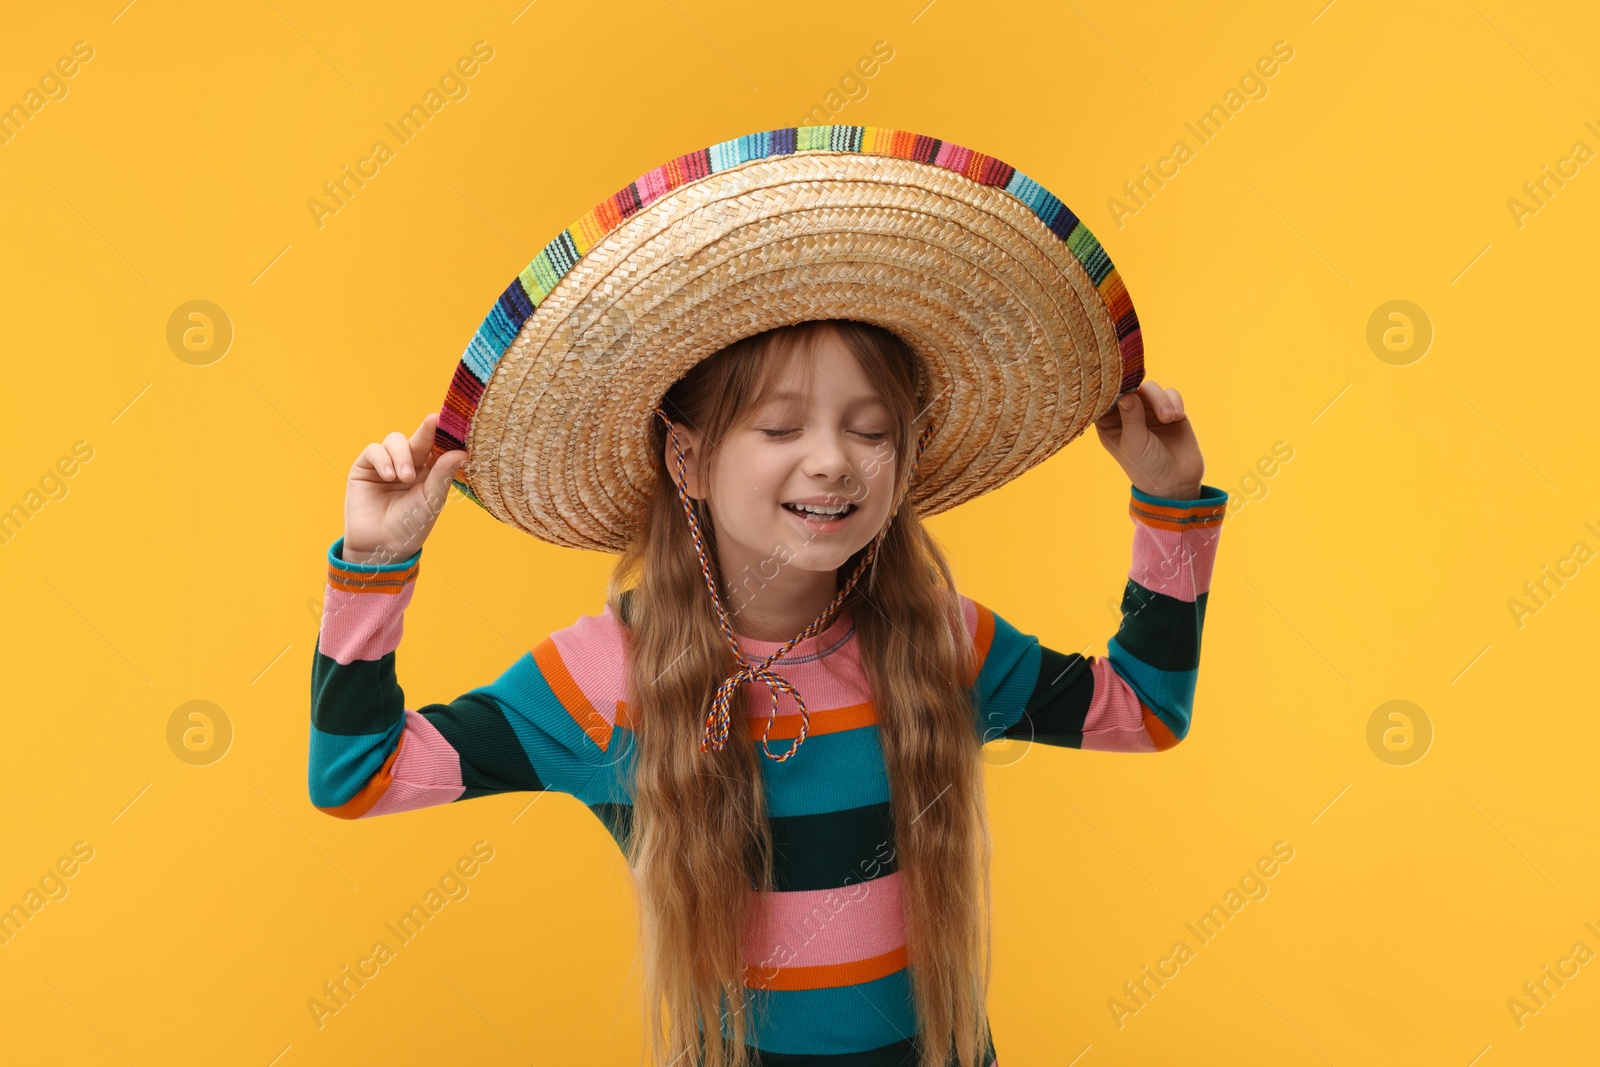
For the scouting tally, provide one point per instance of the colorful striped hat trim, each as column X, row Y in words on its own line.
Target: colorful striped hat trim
column 536, row 281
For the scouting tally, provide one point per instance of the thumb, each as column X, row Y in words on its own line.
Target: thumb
column 440, row 476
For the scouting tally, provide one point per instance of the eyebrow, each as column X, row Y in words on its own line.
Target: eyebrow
column 865, row 398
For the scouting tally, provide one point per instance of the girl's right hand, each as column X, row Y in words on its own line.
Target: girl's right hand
column 394, row 496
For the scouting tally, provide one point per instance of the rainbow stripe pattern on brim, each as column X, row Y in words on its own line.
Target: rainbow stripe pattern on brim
column 505, row 320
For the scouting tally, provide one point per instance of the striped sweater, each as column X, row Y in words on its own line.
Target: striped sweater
column 826, row 957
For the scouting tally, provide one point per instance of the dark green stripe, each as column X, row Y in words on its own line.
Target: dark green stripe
column 618, row 821
column 830, row 850
column 900, row 1054
column 1059, row 702
column 355, row 698
column 833, row 849
column 492, row 759
column 1160, row 630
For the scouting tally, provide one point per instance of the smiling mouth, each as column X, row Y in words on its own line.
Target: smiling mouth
column 850, row 509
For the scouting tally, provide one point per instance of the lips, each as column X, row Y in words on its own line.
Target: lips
column 849, row 510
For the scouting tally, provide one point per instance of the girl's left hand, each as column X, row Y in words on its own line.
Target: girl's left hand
column 1149, row 435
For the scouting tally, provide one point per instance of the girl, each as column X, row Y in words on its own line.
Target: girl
column 819, row 907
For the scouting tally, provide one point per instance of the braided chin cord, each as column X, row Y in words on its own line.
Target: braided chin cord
column 715, row 733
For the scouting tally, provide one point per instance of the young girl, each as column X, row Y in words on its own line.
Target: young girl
column 805, row 823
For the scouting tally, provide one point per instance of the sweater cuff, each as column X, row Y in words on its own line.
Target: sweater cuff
column 1169, row 513
column 1166, row 559
column 350, row 577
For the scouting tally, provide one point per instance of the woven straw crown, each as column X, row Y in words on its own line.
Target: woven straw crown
column 1023, row 330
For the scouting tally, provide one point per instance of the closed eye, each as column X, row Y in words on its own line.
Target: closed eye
column 786, row 433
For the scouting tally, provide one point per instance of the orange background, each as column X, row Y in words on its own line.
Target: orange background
column 1412, row 493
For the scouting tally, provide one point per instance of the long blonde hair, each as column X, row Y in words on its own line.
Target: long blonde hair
column 699, row 842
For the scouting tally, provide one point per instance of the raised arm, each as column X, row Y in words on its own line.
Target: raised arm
column 544, row 724
column 1140, row 695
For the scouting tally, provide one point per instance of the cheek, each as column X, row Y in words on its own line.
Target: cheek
column 875, row 471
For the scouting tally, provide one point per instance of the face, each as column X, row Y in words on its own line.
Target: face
column 825, row 439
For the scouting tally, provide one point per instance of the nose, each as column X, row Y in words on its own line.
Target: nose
column 827, row 460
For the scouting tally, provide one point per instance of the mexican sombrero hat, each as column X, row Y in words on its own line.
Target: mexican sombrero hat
column 1025, row 333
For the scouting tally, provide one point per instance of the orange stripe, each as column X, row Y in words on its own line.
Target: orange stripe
column 828, row 974
column 391, row 582
column 787, row 727
column 1157, row 729
column 1167, row 517
column 370, row 793
column 1115, row 294
column 556, row 675
column 829, row 721
column 981, row 642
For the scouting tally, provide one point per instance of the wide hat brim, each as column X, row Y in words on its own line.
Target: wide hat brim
column 1024, row 331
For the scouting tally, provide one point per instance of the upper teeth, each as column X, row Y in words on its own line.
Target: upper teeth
column 822, row 509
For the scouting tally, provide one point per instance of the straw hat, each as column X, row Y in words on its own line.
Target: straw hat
column 1024, row 330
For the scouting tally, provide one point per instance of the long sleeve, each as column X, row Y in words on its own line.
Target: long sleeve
column 1138, row 697
column 544, row 724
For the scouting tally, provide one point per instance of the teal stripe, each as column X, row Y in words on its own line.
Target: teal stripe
column 334, row 560
column 1006, row 680
column 1027, row 190
column 833, row 1021
column 839, row 770
column 756, row 145
column 563, row 756
column 1210, row 496
column 480, row 357
column 1170, row 694
column 341, row 764
column 498, row 329
column 723, row 154
column 610, row 784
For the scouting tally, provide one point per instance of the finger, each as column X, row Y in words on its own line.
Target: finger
column 374, row 462
column 399, row 450
column 1156, row 399
column 1131, row 408
column 421, row 442
column 444, row 469
column 1177, row 403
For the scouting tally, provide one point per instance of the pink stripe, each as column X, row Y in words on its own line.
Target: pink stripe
column 426, row 772
column 1114, row 721
column 454, row 423
column 652, row 185
column 808, row 928
column 1133, row 344
column 362, row 625
column 591, row 650
column 969, row 617
column 1177, row 564
column 953, row 157
column 834, row 681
